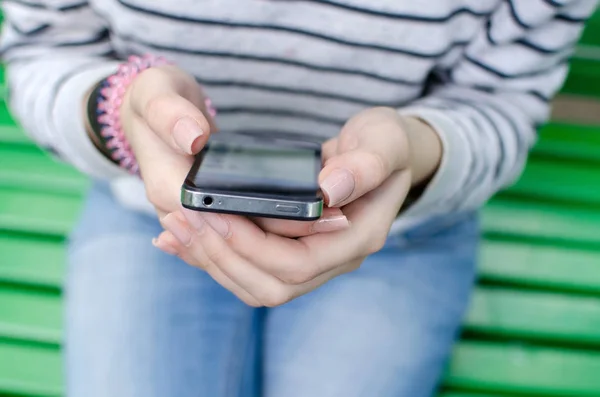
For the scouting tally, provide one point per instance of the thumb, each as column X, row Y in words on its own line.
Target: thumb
column 350, row 175
column 371, row 158
column 172, row 104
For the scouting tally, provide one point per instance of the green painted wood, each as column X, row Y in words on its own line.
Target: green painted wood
column 583, row 79
column 546, row 266
column 30, row 370
column 31, row 260
column 465, row 394
column 3, row 89
column 591, row 33
column 569, row 142
column 540, row 220
column 43, row 213
column 31, row 168
column 584, row 74
column 556, row 180
column 535, row 315
column 30, row 315
column 9, row 131
column 530, row 370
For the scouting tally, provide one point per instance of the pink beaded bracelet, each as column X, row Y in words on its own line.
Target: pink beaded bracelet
column 109, row 99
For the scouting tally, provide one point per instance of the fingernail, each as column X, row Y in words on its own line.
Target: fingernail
column 217, row 222
column 164, row 246
column 185, row 132
column 338, row 186
column 333, row 224
column 194, row 218
column 178, row 227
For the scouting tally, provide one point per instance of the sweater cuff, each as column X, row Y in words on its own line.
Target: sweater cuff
column 68, row 118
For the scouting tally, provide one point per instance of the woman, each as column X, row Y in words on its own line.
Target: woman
column 426, row 113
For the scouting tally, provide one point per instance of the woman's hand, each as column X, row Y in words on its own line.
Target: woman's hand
column 166, row 122
column 368, row 169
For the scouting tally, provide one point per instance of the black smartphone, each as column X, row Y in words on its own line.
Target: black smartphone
column 253, row 174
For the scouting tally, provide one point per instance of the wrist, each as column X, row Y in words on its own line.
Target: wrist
column 425, row 150
column 90, row 122
column 103, row 107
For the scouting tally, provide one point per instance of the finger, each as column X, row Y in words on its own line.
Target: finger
column 288, row 260
column 297, row 261
column 162, row 170
column 371, row 217
column 163, row 98
column 268, row 290
column 368, row 151
column 328, row 150
column 332, row 220
column 167, row 242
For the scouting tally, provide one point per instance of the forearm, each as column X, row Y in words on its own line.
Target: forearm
column 49, row 80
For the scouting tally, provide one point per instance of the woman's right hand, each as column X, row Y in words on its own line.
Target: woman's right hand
column 165, row 119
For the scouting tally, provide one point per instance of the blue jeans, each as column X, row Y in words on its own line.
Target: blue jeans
column 142, row 323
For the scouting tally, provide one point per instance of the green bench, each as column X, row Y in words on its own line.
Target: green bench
column 533, row 328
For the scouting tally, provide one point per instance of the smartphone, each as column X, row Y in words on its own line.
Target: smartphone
column 254, row 174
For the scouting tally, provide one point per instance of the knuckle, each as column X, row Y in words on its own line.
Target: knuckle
column 355, row 265
column 156, row 106
column 153, row 75
column 136, row 89
column 155, row 195
column 297, row 275
column 376, row 243
column 275, row 296
column 378, row 166
column 213, row 255
column 249, row 300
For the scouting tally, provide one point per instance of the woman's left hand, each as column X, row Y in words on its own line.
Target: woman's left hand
column 367, row 173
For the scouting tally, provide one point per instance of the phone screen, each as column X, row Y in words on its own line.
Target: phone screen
column 260, row 166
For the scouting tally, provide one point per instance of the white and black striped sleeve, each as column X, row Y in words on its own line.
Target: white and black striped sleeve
column 488, row 105
column 55, row 51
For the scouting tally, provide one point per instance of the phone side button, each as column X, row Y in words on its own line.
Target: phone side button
column 288, row 209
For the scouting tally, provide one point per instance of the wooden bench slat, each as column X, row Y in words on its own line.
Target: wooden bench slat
column 569, row 141
column 38, row 213
column 32, row 169
column 30, row 315
column 535, row 315
column 31, row 260
column 541, row 221
column 30, row 370
column 540, row 265
column 9, row 131
column 465, row 394
column 592, row 28
column 524, row 369
column 563, row 181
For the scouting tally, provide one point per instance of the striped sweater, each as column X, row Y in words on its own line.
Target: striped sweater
column 481, row 72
